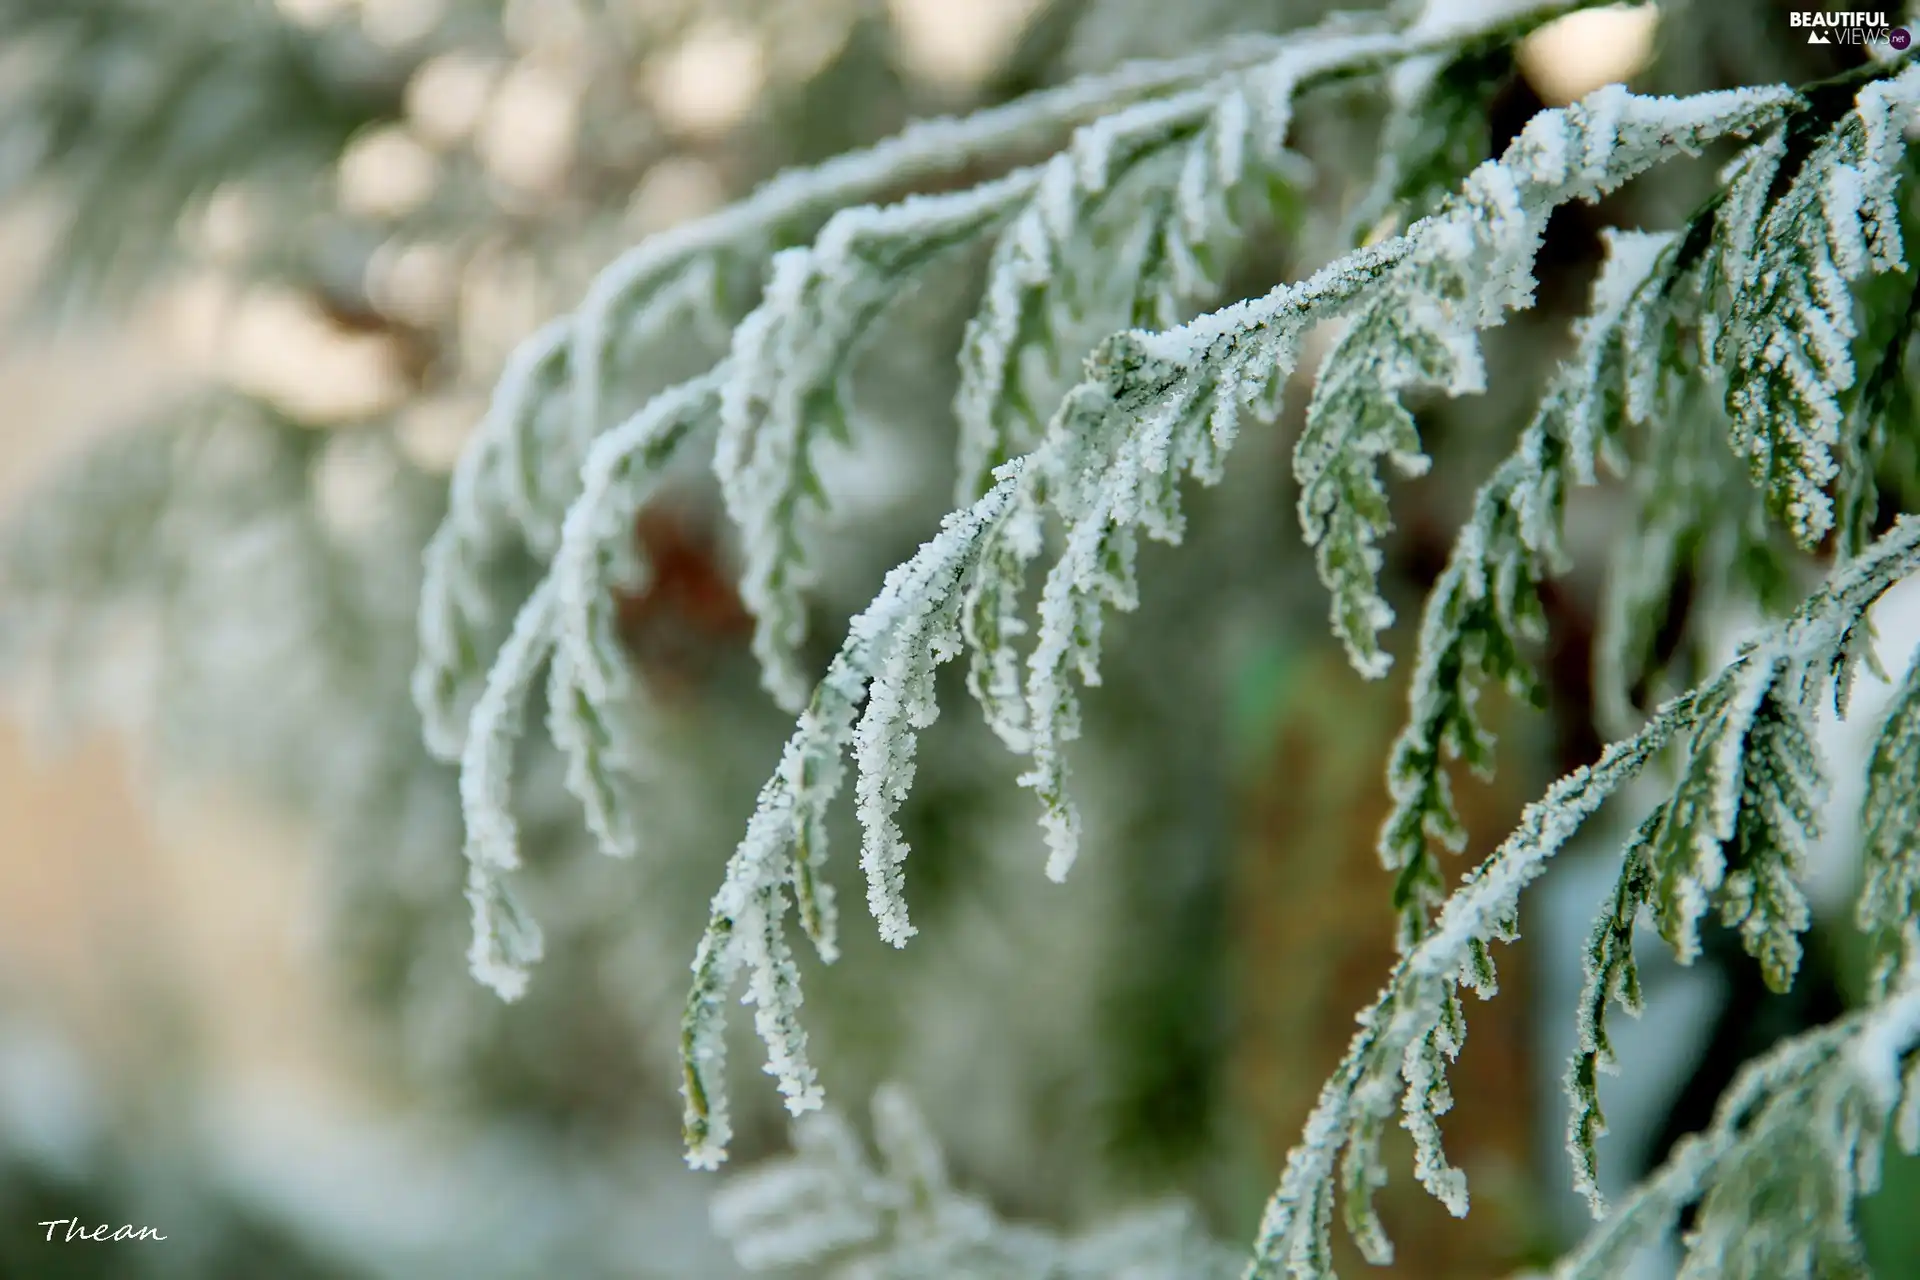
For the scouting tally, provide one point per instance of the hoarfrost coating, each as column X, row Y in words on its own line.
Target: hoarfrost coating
column 1154, row 180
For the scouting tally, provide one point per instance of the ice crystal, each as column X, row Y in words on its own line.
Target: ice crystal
column 1089, row 391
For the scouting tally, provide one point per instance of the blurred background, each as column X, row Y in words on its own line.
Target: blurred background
column 260, row 263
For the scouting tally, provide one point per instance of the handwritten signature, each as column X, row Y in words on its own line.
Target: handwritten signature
column 102, row 1232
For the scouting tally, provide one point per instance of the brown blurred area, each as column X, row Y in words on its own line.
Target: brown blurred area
column 1315, row 935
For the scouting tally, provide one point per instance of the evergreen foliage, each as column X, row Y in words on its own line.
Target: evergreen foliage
column 1741, row 372
column 826, row 1205
column 1123, row 231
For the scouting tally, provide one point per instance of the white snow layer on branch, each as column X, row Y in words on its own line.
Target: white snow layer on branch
column 1485, row 605
column 567, row 626
column 1155, row 407
column 1467, row 267
column 783, row 379
column 1826, row 1096
column 829, row 1207
column 1410, row 1034
column 542, row 472
column 1152, row 408
column 899, row 639
column 520, row 472
column 506, row 941
column 1889, row 906
column 1786, row 344
column 1174, row 173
